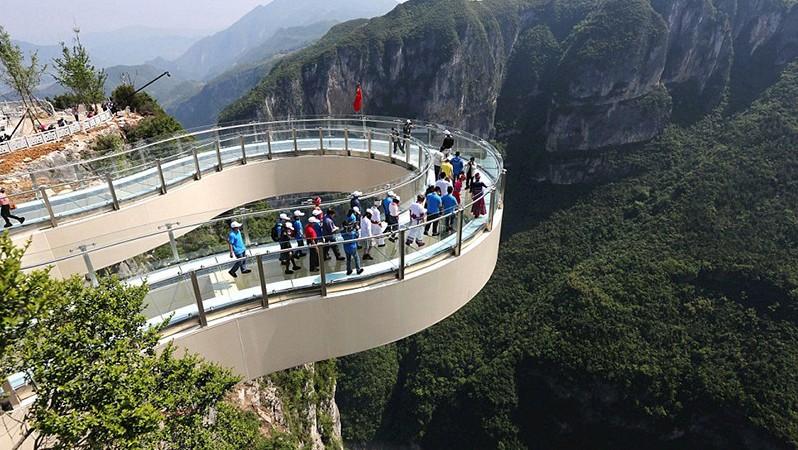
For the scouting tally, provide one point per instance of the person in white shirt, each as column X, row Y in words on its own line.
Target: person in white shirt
column 417, row 215
column 443, row 183
column 365, row 232
column 376, row 223
column 393, row 217
column 437, row 160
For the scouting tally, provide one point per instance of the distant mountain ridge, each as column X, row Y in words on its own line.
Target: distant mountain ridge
column 211, row 55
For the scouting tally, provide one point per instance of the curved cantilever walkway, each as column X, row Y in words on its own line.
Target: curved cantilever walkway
column 257, row 323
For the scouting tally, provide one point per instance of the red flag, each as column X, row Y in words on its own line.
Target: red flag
column 358, row 99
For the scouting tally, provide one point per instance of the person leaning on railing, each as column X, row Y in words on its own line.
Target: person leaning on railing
column 5, row 209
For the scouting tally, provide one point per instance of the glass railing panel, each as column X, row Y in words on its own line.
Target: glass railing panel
column 175, row 297
column 135, row 186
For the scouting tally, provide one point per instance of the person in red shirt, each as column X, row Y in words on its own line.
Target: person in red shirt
column 310, row 237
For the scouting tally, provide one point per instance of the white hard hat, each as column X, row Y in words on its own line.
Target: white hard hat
column 298, row 213
column 408, row 120
column 398, row 198
column 356, row 209
column 317, row 212
column 289, row 225
column 313, row 220
column 391, row 194
column 235, row 224
column 446, row 132
column 357, row 194
column 284, row 216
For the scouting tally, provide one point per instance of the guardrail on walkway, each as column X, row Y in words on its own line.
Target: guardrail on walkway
column 57, row 134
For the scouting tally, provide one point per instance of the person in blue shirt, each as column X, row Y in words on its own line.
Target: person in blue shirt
column 433, row 211
column 237, row 249
column 350, row 248
column 457, row 165
column 386, row 203
column 449, row 206
column 299, row 233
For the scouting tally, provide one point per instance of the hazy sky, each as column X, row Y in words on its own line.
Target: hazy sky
column 51, row 21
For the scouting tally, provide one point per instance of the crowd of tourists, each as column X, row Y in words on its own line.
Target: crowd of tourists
column 365, row 227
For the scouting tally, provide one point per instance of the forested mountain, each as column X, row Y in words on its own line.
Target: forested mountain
column 647, row 298
column 212, row 55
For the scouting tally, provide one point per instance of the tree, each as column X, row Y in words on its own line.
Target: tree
column 100, row 381
column 75, row 72
column 22, row 78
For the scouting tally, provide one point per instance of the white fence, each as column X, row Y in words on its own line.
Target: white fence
column 54, row 135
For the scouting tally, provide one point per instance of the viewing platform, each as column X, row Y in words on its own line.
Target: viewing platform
column 138, row 214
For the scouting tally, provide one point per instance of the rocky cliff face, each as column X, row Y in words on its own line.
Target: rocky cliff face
column 298, row 402
column 605, row 73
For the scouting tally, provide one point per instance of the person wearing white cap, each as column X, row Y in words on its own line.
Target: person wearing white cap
column 448, row 142
column 311, row 235
column 299, row 232
column 386, row 202
column 376, row 223
column 406, row 130
column 237, row 249
column 317, row 213
column 393, row 217
column 287, row 258
column 365, row 232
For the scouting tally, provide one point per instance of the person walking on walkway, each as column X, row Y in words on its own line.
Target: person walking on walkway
column 287, row 258
column 443, row 182
column 237, row 249
column 433, row 211
column 437, row 160
column 458, row 187
column 350, row 246
column 478, row 193
column 397, row 143
column 354, row 202
column 457, row 165
column 417, row 215
column 406, row 131
column 299, row 232
column 328, row 230
column 365, row 232
column 447, row 168
column 448, row 142
column 311, row 238
column 376, row 223
column 449, row 206
column 386, row 203
column 5, row 209
column 393, row 218
column 470, row 170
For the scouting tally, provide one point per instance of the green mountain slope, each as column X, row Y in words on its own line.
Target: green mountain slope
column 659, row 311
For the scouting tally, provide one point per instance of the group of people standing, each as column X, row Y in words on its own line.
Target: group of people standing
column 364, row 227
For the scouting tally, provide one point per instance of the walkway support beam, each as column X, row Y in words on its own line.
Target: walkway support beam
column 264, row 299
column 203, row 320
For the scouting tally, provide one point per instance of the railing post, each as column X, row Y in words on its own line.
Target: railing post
column 371, row 155
column 49, row 207
column 296, row 146
column 114, row 200
column 197, row 170
column 321, row 141
column 420, row 152
column 172, row 240
column 218, row 155
column 491, row 210
column 322, row 270
column 458, row 248
column 243, row 149
column 346, row 141
column 407, row 155
column 160, row 175
column 390, row 149
column 502, row 186
column 264, row 299
column 35, row 184
column 89, row 266
column 269, row 143
column 203, row 321
column 402, row 251
column 78, row 176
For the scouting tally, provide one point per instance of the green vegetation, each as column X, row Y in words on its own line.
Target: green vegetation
column 657, row 311
column 101, row 381
column 16, row 73
column 75, row 72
